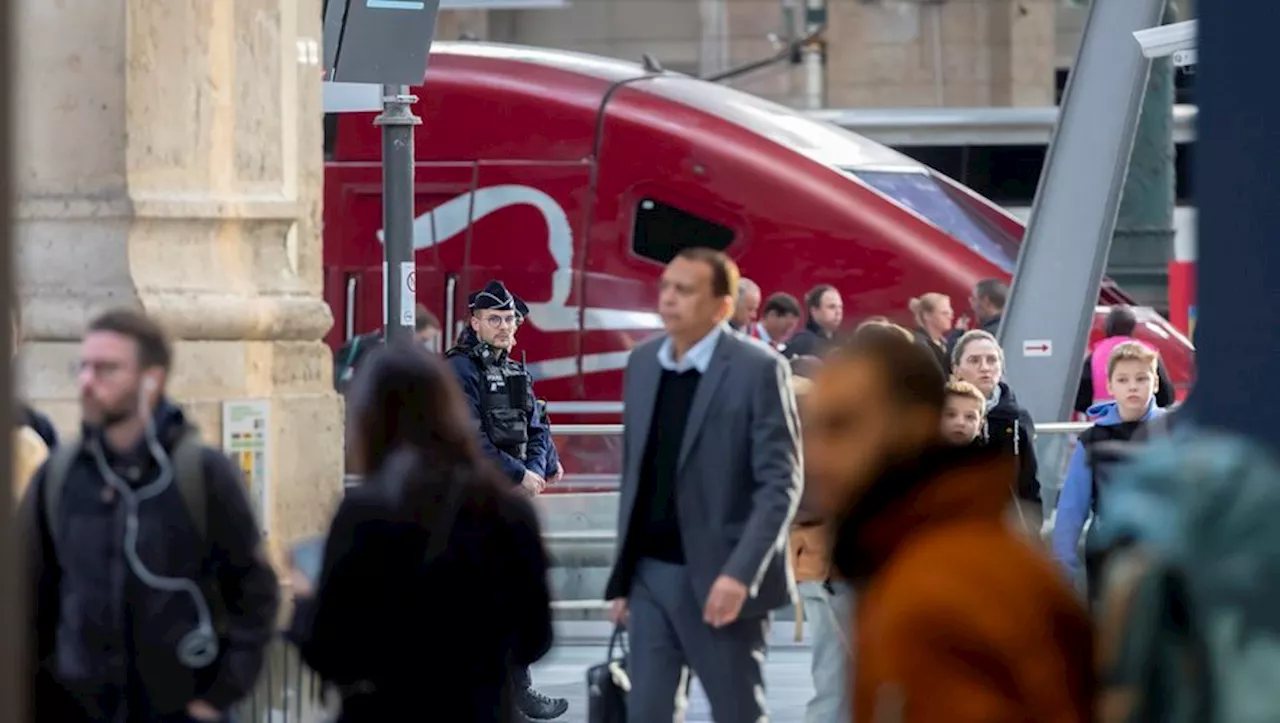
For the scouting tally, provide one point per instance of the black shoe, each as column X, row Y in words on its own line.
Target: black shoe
column 539, row 707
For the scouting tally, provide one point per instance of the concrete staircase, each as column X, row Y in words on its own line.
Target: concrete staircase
column 580, row 533
column 579, row 530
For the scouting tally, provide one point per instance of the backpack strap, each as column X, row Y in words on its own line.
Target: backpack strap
column 345, row 364
column 188, row 476
column 1160, row 647
column 1086, row 439
column 187, row 458
column 352, row 355
column 57, row 468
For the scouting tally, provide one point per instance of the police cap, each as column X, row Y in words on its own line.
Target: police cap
column 495, row 296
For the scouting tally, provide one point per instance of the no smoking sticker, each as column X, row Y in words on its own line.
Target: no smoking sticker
column 408, row 297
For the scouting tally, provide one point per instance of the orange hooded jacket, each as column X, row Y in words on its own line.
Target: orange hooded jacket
column 959, row 619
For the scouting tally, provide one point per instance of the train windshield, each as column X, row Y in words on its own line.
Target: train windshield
column 921, row 193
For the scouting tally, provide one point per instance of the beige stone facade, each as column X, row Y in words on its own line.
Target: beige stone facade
column 170, row 158
column 960, row 53
column 880, row 53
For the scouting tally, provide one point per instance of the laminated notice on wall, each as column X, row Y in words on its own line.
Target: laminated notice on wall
column 245, row 436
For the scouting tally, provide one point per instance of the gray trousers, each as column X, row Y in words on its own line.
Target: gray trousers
column 829, row 615
column 668, row 638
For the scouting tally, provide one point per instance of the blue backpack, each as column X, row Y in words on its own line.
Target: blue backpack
column 1189, row 623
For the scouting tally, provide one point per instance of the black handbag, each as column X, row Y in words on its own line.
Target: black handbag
column 608, row 683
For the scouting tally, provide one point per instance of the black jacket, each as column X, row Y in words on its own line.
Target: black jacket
column 443, row 634
column 991, row 326
column 1009, row 428
column 939, row 351
column 104, row 642
column 809, row 341
column 39, row 423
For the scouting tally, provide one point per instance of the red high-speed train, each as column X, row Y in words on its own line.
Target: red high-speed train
column 574, row 178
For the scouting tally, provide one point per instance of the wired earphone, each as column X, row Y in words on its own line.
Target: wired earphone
column 199, row 647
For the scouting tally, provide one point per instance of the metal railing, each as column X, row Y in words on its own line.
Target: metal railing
column 1053, row 448
column 605, row 430
column 289, row 692
column 1052, row 453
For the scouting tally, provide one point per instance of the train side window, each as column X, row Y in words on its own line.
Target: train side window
column 662, row 231
column 330, row 134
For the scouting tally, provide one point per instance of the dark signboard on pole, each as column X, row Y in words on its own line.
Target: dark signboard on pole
column 378, row 41
column 387, row 42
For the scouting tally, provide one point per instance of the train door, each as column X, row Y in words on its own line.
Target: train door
column 442, row 200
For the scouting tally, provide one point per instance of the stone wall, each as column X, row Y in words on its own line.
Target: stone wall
column 960, row 53
column 170, row 159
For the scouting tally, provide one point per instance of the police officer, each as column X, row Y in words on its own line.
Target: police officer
column 499, row 387
column 503, row 405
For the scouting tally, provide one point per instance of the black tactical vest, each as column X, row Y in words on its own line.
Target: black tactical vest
column 506, row 399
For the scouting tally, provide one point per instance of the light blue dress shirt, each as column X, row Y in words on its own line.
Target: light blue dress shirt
column 698, row 357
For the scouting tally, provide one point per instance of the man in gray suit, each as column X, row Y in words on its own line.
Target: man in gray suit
column 711, row 478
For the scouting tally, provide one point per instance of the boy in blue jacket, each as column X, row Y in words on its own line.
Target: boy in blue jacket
column 1132, row 381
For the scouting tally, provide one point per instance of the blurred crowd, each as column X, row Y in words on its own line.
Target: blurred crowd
column 887, row 470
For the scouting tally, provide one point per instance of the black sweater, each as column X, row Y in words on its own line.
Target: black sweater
column 656, row 528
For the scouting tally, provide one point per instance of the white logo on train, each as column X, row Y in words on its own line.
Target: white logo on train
column 555, row 314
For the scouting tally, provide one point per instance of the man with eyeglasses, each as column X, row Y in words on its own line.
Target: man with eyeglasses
column 503, row 406
column 152, row 598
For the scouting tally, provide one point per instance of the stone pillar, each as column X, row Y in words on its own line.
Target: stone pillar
column 170, row 159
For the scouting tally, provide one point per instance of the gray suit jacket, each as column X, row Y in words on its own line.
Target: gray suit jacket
column 739, row 476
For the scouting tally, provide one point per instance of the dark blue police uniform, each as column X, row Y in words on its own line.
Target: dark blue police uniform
column 500, row 393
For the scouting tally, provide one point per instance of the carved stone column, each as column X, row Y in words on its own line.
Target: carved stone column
column 170, row 159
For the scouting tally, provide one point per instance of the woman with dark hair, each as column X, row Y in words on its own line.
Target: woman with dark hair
column 433, row 583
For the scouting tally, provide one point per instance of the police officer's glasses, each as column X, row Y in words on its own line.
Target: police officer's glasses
column 498, row 321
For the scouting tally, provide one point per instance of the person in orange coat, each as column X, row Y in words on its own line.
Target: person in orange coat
column 958, row 618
